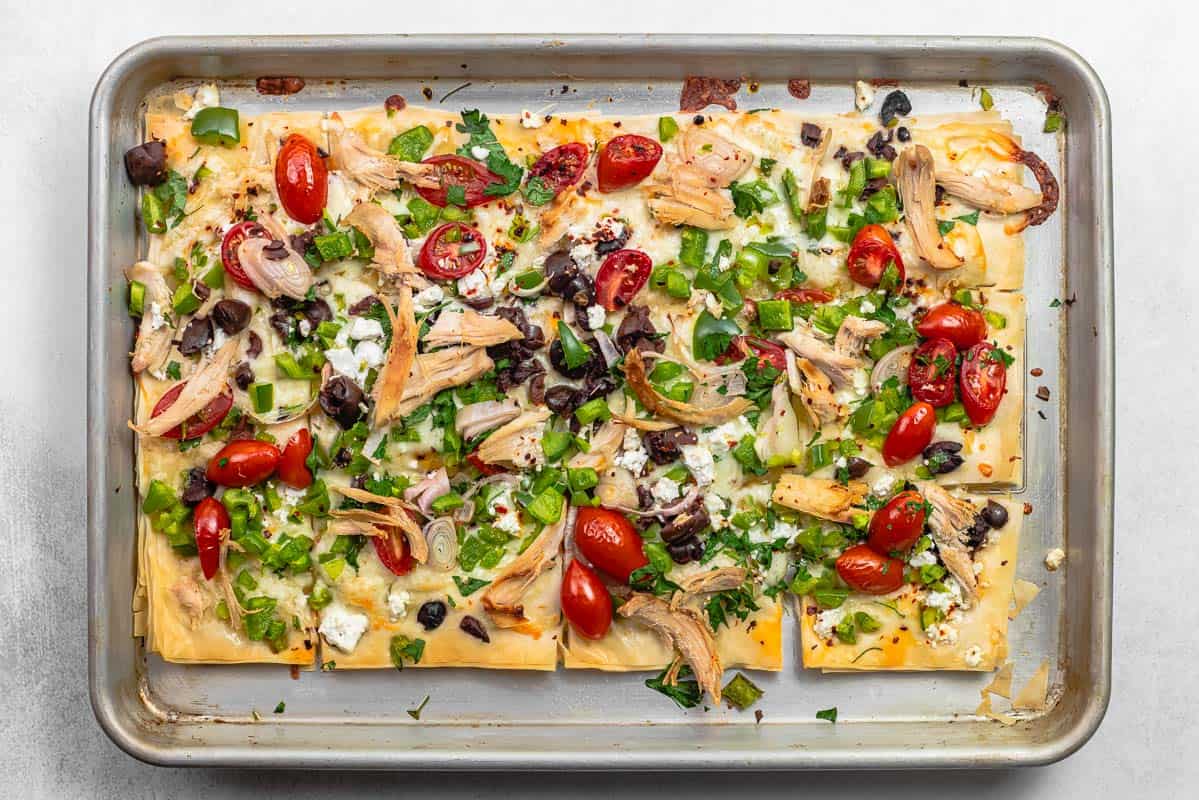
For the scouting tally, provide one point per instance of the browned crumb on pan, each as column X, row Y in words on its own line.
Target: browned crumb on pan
column 700, row 92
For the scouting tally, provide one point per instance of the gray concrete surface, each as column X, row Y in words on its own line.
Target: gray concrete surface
column 51, row 53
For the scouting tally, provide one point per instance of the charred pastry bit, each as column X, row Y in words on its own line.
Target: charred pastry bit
column 1043, row 393
column 394, row 103
column 279, row 85
column 799, row 88
column 700, row 92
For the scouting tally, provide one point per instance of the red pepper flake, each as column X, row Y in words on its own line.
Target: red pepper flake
column 1027, row 509
column 1036, row 372
column 758, row 715
column 800, row 89
column 700, row 92
column 394, row 103
column 279, row 85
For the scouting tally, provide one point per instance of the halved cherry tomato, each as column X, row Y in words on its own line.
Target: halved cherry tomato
column 293, row 464
column 301, row 179
column 982, row 382
column 454, row 170
column 932, row 372
column 896, row 526
column 199, row 423
column 872, row 250
column 243, row 462
column 561, row 167
column 867, row 571
column 393, row 551
column 626, row 161
column 742, row 347
column 585, row 601
column 482, row 466
column 233, row 239
column 804, row 295
column 609, row 541
column 965, row 327
column 452, row 250
column 910, row 434
column 620, row 277
column 208, row 520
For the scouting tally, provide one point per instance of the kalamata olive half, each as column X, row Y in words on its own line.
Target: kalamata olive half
column 231, row 316
column 686, row 551
column 342, row 400
column 562, row 399
column 994, row 514
column 196, row 486
column 146, row 164
column 896, row 104
column 473, row 627
column 942, row 457
column 857, row 467
column 666, row 446
column 431, row 615
column 686, row 525
column 196, row 335
column 592, row 366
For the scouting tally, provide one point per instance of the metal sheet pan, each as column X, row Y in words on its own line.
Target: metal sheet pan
column 168, row 714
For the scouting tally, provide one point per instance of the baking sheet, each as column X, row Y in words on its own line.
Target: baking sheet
column 175, row 714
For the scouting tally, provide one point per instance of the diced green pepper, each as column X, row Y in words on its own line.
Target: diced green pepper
column 775, row 315
column 528, row 279
column 321, row 596
column 866, row 623
column 677, row 284
column 857, row 180
column 877, row 168
column 659, row 557
column 520, row 230
column 995, row 319
column 287, row 364
column 217, row 125
column 666, row 371
column 955, row 412
column 184, row 300
column 693, row 247
column 680, row 391
column 845, row 631
column 159, row 497
column 741, row 692
column 593, row 410
column 791, row 193
column 263, row 397
column 667, row 128
column 1053, row 122
column 547, row 506
column 447, row 502
column 137, row 298
column 582, row 479
column 215, row 277
column 411, row 144
column 555, row 444
column 816, row 223
column 574, row 352
column 334, row 246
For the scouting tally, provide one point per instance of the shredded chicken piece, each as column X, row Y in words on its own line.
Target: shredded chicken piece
column 816, row 394
column 153, row 344
column 655, row 403
column 689, row 194
column 779, row 435
column 517, row 442
column 397, row 516
column 914, row 178
column 838, row 366
column 202, row 387
column 950, row 522
column 441, row 369
column 556, row 217
column 989, row 192
column 721, row 579
column 372, row 168
column 192, row 599
column 392, row 257
column 503, row 598
column 470, row 327
column 605, row 444
column 616, row 488
column 685, row 631
column 816, row 194
column 390, row 391
column 820, row 497
column 854, row 333
column 643, row 424
column 478, row 418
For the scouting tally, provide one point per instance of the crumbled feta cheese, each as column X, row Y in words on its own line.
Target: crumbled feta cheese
column 339, row 198
column 596, row 317
column 863, row 95
column 342, row 360
column 363, row 328
column 841, row 462
column 726, row 436
column 507, row 520
column 699, row 460
column 883, row 486
column 530, row 120
column 369, row 353
column 948, row 599
column 942, row 633
column 715, row 506
column 343, row 628
column 157, row 320
column 973, row 656
column 397, row 602
column 427, row 299
column 923, row 559
column 632, row 455
column 826, row 621
column 480, row 153
column 784, row 530
column 305, row 328
column 582, row 253
column 473, row 283
column 207, row 96
column 291, row 497
column 868, row 307
column 665, row 490
column 1054, row 559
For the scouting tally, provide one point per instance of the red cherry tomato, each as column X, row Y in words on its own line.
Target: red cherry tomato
column 932, row 372
column 982, row 383
column 393, row 551
column 585, row 601
column 293, row 463
column 742, row 347
column 233, row 239
column 202, row 421
column 620, row 277
column 609, row 541
column 301, row 179
column 872, row 250
column 867, row 571
column 804, row 295
column 453, row 170
column 896, row 526
column 243, row 462
column 482, row 466
column 208, row 520
column 561, row 167
column 452, row 250
column 965, row 327
column 626, row 161
column 910, row 434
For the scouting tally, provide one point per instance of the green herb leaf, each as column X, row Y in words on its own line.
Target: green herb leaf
column 574, row 352
column 476, row 125
column 280, row 707
column 402, row 648
column 469, row 586
column 712, row 336
column 686, row 693
column 751, row 198
column 536, row 192
column 415, row 712
column 829, row 714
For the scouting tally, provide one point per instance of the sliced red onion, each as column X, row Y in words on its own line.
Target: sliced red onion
column 607, row 348
column 893, row 365
column 531, row 292
column 502, row 477
column 433, row 486
column 671, row 510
